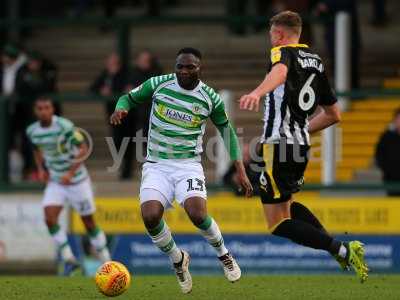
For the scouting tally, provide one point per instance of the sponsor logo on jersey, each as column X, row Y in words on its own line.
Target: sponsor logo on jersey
column 179, row 116
column 196, row 108
column 275, row 55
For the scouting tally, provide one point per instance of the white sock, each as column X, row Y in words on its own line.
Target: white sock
column 162, row 238
column 342, row 251
column 104, row 255
column 210, row 230
column 60, row 239
column 99, row 242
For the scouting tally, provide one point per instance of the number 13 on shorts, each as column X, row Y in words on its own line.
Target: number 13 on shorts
column 199, row 184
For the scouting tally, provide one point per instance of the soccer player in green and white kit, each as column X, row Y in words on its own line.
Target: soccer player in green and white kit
column 181, row 105
column 59, row 150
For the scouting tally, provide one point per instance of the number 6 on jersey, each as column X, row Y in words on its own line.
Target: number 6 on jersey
column 307, row 90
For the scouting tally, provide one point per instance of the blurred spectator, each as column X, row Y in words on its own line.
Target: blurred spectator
column 37, row 77
column 238, row 9
column 12, row 60
column 230, row 178
column 146, row 65
column 116, row 79
column 379, row 17
column 387, row 154
column 112, row 81
column 329, row 8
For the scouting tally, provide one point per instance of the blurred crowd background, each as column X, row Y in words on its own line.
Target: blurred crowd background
column 85, row 67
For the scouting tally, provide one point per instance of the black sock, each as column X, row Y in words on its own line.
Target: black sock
column 307, row 235
column 299, row 212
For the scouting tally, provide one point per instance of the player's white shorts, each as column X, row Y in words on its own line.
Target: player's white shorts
column 166, row 181
column 79, row 196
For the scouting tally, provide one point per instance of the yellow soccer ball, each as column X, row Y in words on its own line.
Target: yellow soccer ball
column 112, row 278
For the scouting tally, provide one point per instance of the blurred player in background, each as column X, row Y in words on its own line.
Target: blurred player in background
column 59, row 151
column 181, row 105
column 294, row 87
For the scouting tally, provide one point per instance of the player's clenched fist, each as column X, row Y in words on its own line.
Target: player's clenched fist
column 249, row 102
column 117, row 116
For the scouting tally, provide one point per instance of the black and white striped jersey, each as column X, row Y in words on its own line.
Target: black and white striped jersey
column 288, row 107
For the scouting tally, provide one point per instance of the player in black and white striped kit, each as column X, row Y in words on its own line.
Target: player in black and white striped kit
column 288, row 107
column 295, row 86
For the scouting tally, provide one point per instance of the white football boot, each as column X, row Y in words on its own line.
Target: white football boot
column 182, row 273
column 231, row 268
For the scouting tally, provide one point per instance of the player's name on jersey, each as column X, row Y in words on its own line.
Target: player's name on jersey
column 311, row 63
column 242, row 216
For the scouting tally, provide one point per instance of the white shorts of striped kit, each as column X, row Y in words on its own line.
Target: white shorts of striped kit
column 79, row 196
column 172, row 180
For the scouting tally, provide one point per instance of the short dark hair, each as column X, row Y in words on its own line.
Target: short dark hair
column 190, row 50
column 288, row 19
column 44, row 98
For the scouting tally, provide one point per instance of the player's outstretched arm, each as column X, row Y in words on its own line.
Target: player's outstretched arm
column 232, row 146
column 231, row 142
column 138, row 95
column 275, row 78
column 244, row 181
column 329, row 115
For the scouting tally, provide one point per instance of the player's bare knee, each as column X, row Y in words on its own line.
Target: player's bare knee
column 51, row 214
column 151, row 218
column 152, row 212
column 196, row 209
column 89, row 222
column 51, row 220
column 197, row 217
column 196, row 214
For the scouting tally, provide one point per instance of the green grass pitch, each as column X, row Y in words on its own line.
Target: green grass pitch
column 326, row 287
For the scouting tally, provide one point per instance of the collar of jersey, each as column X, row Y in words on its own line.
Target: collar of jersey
column 290, row 45
column 53, row 120
column 185, row 90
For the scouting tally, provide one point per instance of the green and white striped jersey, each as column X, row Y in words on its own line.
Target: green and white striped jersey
column 178, row 116
column 58, row 145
